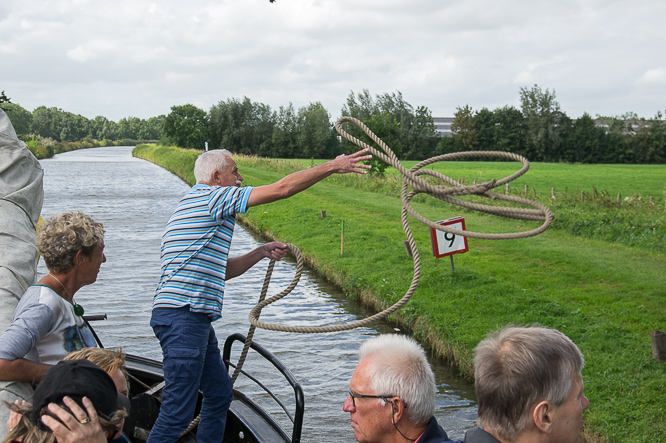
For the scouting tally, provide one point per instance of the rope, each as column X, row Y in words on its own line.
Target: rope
column 411, row 179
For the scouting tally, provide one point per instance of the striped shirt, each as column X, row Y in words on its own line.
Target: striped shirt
column 195, row 248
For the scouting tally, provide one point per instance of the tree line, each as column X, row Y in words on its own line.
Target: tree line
column 62, row 126
column 540, row 130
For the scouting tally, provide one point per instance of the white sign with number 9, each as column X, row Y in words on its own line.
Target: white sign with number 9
column 447, row 243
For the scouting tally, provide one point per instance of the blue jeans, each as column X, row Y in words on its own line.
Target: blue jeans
column 191, row 362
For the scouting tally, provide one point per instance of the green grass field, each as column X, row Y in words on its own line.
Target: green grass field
column 607, row 295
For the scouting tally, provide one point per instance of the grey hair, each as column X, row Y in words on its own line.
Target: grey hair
column 209, row 162
column 516, row 367
column 62, row 236
column 398, row 366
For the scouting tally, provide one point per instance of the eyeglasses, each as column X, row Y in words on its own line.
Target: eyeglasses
column 386, row 398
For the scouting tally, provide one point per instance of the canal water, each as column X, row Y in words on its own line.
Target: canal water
column 133, row 199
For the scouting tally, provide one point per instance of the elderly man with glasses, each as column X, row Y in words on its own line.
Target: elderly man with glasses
column 392, row 393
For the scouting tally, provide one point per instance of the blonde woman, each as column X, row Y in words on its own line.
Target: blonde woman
column 48, row 321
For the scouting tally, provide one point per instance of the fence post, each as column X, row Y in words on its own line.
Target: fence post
column 507, row 189
column 525, row 190
column 552, row 193
column 582, row 196
column 619, row 199
column 658, row 340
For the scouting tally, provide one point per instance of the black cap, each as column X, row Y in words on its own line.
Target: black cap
column 77, row 379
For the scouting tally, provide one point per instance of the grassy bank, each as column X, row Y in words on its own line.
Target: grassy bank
column 607, row 296
column 43, row 148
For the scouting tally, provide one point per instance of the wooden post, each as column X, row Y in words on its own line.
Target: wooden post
column 507, row 189
column 408, row 249
column 619, row 199
column 582, row 196
column 323, row 213
column 475, row 181
column 525, row 190
column 342, row 237
column 651, row 200
column 658, row 339
column 552, row 193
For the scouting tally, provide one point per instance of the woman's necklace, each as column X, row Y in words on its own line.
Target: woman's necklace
column 78, row 309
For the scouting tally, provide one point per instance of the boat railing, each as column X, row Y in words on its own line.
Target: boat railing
column 299, row 409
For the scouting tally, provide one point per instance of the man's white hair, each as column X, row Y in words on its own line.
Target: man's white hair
column 209, row 162
column 398, row 366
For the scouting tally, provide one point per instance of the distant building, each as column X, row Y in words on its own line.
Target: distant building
column 443, row 126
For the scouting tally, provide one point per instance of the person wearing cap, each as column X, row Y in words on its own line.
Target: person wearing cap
column 79, row 393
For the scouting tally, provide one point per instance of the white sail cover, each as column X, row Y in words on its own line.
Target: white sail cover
column 21, row 197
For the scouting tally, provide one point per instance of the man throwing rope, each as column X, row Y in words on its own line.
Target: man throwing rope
column 195, row 266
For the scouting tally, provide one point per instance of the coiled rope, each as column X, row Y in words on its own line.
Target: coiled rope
column 411, row 179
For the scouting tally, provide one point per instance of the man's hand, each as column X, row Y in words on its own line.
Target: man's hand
column 352, row 162
column 275, row 250
column 80, row 427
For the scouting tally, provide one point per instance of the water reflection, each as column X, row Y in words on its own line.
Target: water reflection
column 134, row 199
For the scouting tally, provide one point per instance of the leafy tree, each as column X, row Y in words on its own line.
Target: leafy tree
column 151, row 129
column 285, row 133
column 46, row 122
column 465, row 134
column 21, row 118
column 422, row 137
column 386, row 127
column 587, row 138
column 485, row 129
column 651, row 140
column 242, row 126
column 187, row 126
column 540, row 110
column 415, row 137
column 509, row 130
column 315, row 138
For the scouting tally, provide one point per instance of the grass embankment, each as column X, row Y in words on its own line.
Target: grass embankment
column 606, row 296
column 43, row 148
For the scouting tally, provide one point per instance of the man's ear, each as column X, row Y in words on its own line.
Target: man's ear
column 543, row 416
column 398, row 408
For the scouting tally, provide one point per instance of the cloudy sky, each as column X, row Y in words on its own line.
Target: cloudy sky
column 120, row 58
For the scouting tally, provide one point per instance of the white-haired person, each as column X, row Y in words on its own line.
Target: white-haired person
column 529, row 387
column 190, row 292
column 392, row 393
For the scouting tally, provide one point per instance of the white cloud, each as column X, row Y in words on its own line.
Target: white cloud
column 139, row 57
column 657, row 76
column 80, row 54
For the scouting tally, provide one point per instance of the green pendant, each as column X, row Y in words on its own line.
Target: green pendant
column 78, row 310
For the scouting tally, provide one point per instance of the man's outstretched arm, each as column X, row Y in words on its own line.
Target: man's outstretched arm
column 301, row 180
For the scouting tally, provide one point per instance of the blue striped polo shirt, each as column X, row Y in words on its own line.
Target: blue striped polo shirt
column 195, row 248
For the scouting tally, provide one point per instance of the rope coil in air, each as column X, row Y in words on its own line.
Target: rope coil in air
column 447, row 193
